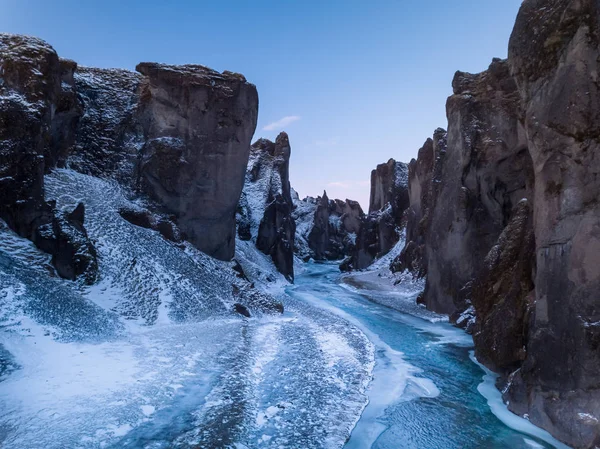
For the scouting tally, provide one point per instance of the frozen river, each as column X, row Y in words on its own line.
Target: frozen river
column 335, row 370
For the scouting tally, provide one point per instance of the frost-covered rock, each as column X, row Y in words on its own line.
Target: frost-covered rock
column 334, row 228
column 304, row 217
column 380, row 230
column 38, row 115
column 265, row 211
column 179, row 134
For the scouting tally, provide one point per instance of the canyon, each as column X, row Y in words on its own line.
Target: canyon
column 106, row 173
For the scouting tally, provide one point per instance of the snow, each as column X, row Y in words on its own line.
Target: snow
column 152, row 351
column 262, row 181
column 494, row 398
column 401, row 175
column 304, row 215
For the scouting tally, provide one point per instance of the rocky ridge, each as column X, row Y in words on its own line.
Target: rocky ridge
column 327, row 228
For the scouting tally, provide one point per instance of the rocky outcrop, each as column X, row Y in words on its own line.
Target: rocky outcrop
column 146, row 219
column 109, row 137
column 179, row 134
column 334, row 228
column 39, row 112
column 503, row 294
column 38, row 115
column 65, row 238
column 509, row 227
column 197, row 124
column 304, row 217
column 423, row 182
column 265, row 212
column 380, row 231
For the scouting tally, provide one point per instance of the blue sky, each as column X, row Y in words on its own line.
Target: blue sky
column 352, row 82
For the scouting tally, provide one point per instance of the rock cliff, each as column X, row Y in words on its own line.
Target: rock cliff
column 178, row 134
column 332, row 227
column 380, row 231
column 197, row 126
column 504, row 218
column 39, row 112
column 554, row 56
column 265, row 211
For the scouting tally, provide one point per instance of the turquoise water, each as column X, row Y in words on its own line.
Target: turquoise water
column 439, row 405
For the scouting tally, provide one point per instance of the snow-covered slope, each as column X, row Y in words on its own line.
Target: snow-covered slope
column 154, row 354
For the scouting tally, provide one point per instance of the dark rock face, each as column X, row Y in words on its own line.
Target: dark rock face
column 38, row 118
column 198, row 124
column 146, row 219
column 380, row 230
column 73, row 254
column 38, row 113
column 109, row 137
column 334, row 229
column 265, row 212
column 389, row 184
column 503, row 294
column 423, row 182
column 510, row 227
column 486, row 171
column 554, row 54
column 180, row 134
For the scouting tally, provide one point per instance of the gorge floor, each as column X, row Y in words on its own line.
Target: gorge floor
column 334, row 365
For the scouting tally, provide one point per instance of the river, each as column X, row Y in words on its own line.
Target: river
column 426, row 392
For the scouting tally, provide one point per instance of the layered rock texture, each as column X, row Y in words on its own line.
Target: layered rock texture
column 39, row 113
column 327, row 228
column 504, row 217
column 178, row 134
column 381, row 229
column 265, row 210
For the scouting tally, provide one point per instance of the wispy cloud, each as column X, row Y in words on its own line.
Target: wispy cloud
column 281, row 123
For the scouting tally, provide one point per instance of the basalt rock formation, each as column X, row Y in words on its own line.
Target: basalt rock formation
column 335, row 224
column 178, row 134
column 423, row 182
column 504, row 219
column 486, row 171
column 265, row 211
column 380, row 231
column 554, row 56
column 39, row 112
column 197, row 127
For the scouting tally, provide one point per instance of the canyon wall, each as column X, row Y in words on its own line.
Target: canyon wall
column 335, row 226
column 179, row 134
column 381, row 229
column 504, row 217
